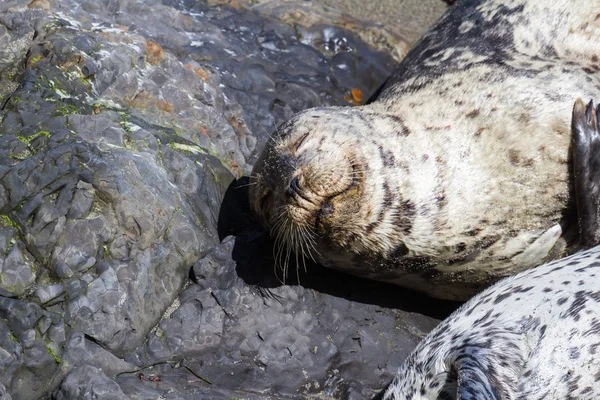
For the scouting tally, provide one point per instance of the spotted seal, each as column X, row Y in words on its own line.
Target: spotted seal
column 532, row 336
column 461, row 171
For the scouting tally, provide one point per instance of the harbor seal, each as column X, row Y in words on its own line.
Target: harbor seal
column 463, row 170
column 532, row 336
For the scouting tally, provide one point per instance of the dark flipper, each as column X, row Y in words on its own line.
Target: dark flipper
column 586, row 170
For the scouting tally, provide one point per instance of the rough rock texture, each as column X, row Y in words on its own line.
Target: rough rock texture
column 123, row 125
column 393, row 25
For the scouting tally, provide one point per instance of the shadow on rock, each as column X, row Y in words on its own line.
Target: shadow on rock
column 253, row 253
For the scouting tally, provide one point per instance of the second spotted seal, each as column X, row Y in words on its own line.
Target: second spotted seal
column 464, row 170
column 529, row 337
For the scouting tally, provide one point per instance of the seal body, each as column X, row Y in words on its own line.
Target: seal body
column 532, row 336
column 460, row 172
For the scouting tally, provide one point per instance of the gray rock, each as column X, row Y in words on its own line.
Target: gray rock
column 49, row 292
column 123, row 124
column 4, row 395
column 17, row 273
column 83, row 199
column 88, row 382
column 249, row 337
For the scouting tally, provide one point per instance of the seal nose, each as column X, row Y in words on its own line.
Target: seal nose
column 294, row 187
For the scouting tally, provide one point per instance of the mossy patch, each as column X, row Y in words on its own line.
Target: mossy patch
column 53, row 354
column 28, row 139
column 6, row 221
column 187, row 148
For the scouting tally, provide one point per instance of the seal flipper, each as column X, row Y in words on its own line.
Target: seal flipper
column 491, row 368
column 586, row 171
column 475, row 381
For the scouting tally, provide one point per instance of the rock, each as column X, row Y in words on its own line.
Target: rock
column 17, row 274
column 49, row 292
column 123, row 125
column 88, row 382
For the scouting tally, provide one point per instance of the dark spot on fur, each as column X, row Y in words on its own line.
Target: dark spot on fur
column 388, row 202
column 486, row 242
column 405, row 215
column 399, row 251
column 437, row 128
column 387, row 157
column 388, row 196
column 396, row 119
column 441, row 199
column 399, row 121
column 586, row 390
column 513, row 156
column 474, row 232
column 473, row 113
column 501, row 297
column 574, row 353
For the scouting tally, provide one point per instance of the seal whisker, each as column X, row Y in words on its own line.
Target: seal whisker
column 296, row 251
column 246, row 185
column 310, row 241
column 301, row 244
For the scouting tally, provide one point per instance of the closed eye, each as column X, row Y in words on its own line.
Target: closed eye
column 301, row 140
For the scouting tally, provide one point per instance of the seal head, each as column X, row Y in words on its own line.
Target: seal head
column 313, row 181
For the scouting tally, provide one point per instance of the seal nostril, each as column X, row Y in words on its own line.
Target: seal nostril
column 294, row 187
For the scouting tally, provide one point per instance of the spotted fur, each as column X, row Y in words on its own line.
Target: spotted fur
column 459, row 173
column 532, row 336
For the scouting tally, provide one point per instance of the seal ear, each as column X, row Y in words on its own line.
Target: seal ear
column 586, row 171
